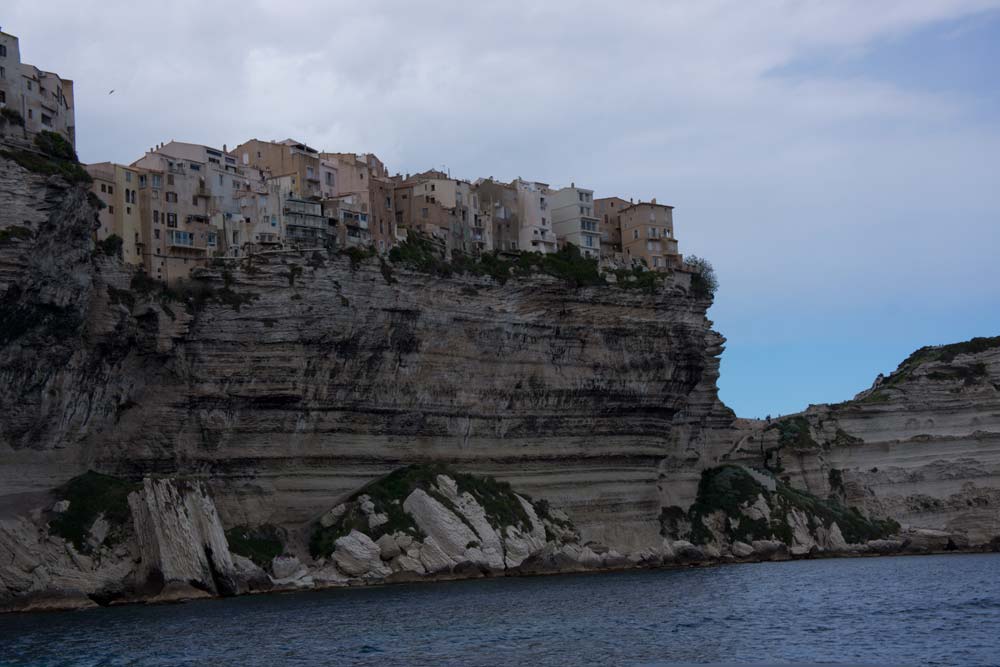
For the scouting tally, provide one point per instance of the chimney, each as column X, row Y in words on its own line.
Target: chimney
column 572, row 185
column 631, row 201
column 653, row 202
column 224, row 149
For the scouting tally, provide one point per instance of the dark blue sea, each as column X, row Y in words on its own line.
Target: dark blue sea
column 930, row 610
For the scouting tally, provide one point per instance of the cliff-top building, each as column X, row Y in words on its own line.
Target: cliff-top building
column 43, row 99
column 117, row 187
column 648, row 235
column 574, row 220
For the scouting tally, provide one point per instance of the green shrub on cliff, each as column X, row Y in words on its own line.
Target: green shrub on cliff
column 111, row 246
column 261, row 544
column 12, row 116
column 388, row 493
column 15, row 233
column 703, row 281
column 730, row 489
column 91, row 495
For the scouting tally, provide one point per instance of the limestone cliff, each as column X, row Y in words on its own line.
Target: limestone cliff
column 278, row 387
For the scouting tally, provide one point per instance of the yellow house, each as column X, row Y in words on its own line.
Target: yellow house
column 117, row 186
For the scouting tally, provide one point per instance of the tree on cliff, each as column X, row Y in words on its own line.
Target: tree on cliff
column 703, row 282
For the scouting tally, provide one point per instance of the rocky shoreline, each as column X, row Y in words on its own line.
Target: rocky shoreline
column 44, row 603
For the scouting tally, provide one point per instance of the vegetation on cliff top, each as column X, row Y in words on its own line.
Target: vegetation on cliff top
column 57, row 158
column 90, row 496
column 388, row 493
column 194, row 294
column 420, row 253
column 731, row 489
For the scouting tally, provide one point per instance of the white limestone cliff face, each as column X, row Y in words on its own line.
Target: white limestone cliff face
column 330, row 374
column 922, row 446
column 445, row 529
column 180, row 537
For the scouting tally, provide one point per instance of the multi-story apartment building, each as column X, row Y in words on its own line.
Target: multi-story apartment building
column 366, row 177
column 648, row 235
column 117, row 186
column 44, row 99
column 534, row 218
column 349, row 220
column 260, row 210
column 608, row 211
column 418, row 207
column 289, row 158
column 498, row 210
column 574, row 220
column 188, row 198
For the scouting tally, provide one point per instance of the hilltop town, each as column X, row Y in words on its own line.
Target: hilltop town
column 182, row 205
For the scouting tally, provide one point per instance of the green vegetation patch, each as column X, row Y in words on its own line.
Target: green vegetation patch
column 111, row 246
column 261, row 544
column 20, row 319
column 730, row 488
column 388, row 493
column 640, row 279
column 57, row 159
column 420, row 253
column 944, row 354
column 704, row 283
column 15, row 233
column 194, row 294
column 358, row 255
column 794, row 432
column 12, row 116
column 91, row 495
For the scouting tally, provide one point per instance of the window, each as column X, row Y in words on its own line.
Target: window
column 582, row 209
column 172, row 197
column 111, row 190
column 156, row 217
column 31, row 114
column 111, row 210
column 423, row 213
column 128, row 176
column 388, row 202
column 29, row 85
column 3, row 51
column 171, row 219
column 157, row 181
column 156, row 233
column 194, row 200
column 195, row 167
column 128, row 210
column 3, row 97
column 581, row 196
column 170, row 179
column 133, row 197
column 104, row 188
column 589, row 241
column 635, row 234
column 656, row 261
column 236, row 235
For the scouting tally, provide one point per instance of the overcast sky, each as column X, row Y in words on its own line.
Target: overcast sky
column 837, row 161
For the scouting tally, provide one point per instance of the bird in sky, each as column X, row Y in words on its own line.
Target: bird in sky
column 112, row 92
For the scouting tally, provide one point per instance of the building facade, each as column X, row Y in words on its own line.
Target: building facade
column 43, row 99
column 648, row 236
column 117, row 186
column 574, row 220
column 534, row 218
column 608, row 211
